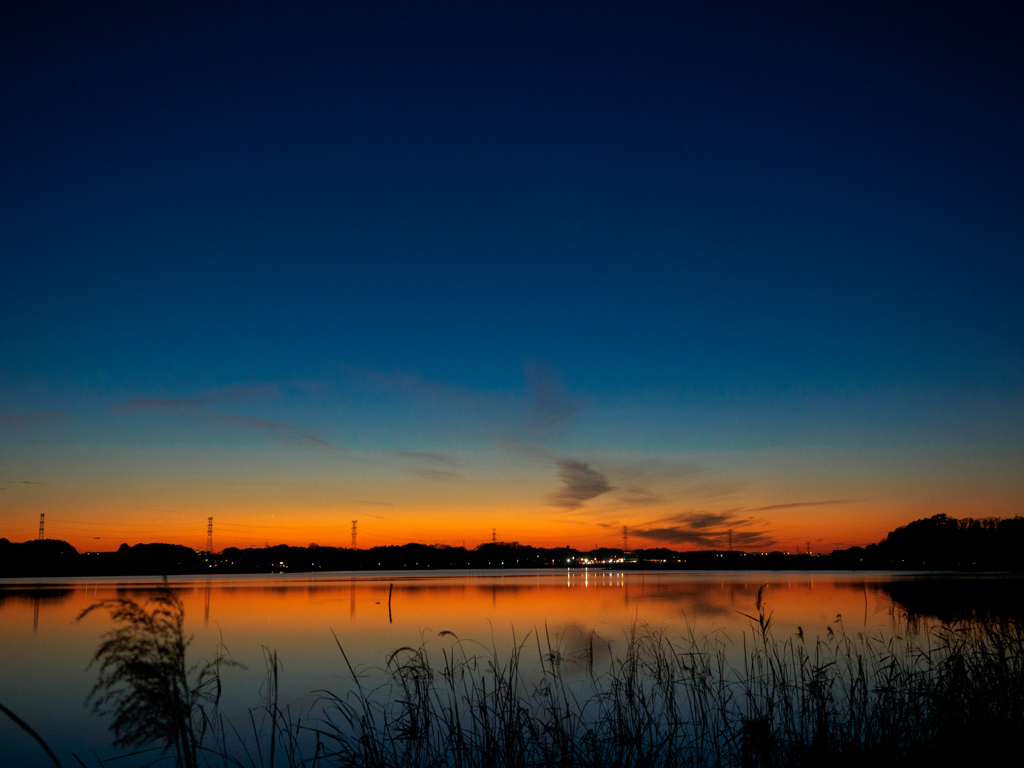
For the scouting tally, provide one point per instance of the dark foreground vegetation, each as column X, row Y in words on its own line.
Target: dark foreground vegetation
column 935, row 543
column 915, row 691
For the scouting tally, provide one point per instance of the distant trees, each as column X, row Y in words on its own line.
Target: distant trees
column 939, row 542
column 45, row 557
column 943, row 542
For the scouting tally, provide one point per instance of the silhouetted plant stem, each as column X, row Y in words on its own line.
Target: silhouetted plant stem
column 31, row 732
column 144, row 682
column 274, row 710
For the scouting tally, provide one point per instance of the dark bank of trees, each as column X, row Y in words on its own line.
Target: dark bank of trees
column 941, row 542
column 403, row 557
column 52, row 557
column 935, row 543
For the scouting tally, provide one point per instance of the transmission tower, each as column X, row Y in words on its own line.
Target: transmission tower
column 354, row 522
column 209, row 535
column 625, row 539
column 42, row 519
column 494, row 535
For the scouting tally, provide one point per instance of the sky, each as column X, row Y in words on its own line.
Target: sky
column 529, row 271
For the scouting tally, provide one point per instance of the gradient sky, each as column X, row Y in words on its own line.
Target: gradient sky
column 549, row 268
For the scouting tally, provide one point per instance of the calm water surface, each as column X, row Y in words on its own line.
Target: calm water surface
column 46, row 651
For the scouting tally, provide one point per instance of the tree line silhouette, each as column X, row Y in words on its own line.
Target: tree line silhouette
column 939, row 542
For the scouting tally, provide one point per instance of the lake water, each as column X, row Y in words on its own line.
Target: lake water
column 45, row 652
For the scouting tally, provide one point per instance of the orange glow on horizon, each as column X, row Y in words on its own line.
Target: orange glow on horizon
column 89, row 530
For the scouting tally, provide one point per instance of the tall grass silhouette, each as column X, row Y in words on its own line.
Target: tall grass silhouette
column 144, row 683
column 677, row 701
column 903, row 692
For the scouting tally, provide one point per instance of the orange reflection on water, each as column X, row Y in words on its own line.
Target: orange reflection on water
column 46, row 652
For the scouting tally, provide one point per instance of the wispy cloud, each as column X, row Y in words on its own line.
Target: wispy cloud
column 795, row 504
column 528, row 451
column 634, row 495
column 543, row 404
column 254, row 423
column 312, row 441
column 551, row 402
column 410, row 385
column 654, row 482
column 659, row 481
column 438, row 475
column 283, row 432
column 26, row 482
column 438, row 459
column 660, row 470
column 711, row 530
column 171, row 404
column 235, row 393
column 580, row 483
column 708, row 520
column 376, row 503
column 31, row 419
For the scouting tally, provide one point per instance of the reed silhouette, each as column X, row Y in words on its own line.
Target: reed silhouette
column 905, row 692
column 144, row 683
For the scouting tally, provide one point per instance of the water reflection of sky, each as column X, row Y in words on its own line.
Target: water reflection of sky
column 43, row 667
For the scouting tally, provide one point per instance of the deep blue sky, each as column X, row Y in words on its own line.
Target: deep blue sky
column 709, row 206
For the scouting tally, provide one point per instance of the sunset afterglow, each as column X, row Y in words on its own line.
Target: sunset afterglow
column 463, row 274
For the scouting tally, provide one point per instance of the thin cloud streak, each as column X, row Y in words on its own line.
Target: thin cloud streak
column 711, row 530
column 796, row 504
column 173, row 404
column 234, row 393
column 656, row 481
column 426, row 457
column 312, row 441
column 543, row 405
column 438, row 475
column 31, row 419
column 283, row 432
column 529, row 451
column 635, row 496
column 194, row 406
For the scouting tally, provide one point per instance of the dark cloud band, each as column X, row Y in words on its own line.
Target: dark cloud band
column 580, row 483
